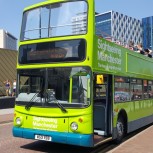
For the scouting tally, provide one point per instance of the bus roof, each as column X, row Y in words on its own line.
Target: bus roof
column 42, row 3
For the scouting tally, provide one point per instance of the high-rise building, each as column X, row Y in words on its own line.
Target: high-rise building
column 79, row 23
column 119, row 27
column 7, row 41
column 147, row 24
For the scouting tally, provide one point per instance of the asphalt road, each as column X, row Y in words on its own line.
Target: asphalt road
column 10, row 144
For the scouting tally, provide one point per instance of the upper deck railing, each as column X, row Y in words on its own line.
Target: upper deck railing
column 138, row 48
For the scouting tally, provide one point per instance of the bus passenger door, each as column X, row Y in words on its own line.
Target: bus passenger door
column 102, row 104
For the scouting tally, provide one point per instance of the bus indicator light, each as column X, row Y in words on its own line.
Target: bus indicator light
column 116, row 110
column 80, row 120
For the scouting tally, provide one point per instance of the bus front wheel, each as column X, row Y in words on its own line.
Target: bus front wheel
column 120, row 130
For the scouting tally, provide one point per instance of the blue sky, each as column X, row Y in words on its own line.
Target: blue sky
column 11, row 11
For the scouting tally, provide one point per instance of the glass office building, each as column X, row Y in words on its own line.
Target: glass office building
column 119, row 27
column 147, row 24
column 103, row 24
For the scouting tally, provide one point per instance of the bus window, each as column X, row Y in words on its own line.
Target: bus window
column 100, row 87
column 31, row 85
column 24, row 84
column 150, row 89
column 80, row 89
column 145, row 89
column 136, row 89
column 122, row 89
column 69, row 86
column 47, row 21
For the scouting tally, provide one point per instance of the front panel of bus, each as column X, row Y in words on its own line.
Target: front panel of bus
column 54, row 73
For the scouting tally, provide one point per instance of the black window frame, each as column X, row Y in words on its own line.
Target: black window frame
column 23, row 59
column 144, row 83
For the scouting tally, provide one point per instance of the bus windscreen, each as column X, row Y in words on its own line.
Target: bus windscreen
column 59, row 19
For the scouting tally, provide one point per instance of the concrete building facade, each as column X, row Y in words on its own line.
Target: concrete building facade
column 119, row 27
column 7, row 40
column 8, row 62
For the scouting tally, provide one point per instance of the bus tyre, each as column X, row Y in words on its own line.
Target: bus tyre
column 120, row 130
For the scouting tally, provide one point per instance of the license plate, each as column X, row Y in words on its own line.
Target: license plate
column 43, row 137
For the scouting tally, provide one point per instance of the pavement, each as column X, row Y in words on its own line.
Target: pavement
column 6, row 115
column 140, row 143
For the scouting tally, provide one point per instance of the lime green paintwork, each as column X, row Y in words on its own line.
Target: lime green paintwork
column 114, row 59
column 88, row 89
column 43, row 3
column 52, row 119
column 135, row 110
column 126, row 63
column 108, row 56
column 70, row 97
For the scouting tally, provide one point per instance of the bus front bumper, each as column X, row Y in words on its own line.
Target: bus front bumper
column 85, row 140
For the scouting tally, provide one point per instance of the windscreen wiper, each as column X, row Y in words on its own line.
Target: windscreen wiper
column 31, row 102
column 60, row 106
column 52, row 97
column 28, row 106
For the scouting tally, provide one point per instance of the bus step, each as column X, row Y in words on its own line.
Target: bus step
column 99, row 132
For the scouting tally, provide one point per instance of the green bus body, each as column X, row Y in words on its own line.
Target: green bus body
column 119, row 61
column 103, row 113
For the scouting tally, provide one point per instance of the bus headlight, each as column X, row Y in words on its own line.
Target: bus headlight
column 18, row 121
column 74, row 126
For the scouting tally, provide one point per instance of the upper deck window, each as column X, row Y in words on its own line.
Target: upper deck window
column 60, row 19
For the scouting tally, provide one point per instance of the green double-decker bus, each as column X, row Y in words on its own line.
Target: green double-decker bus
column 74, row 87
